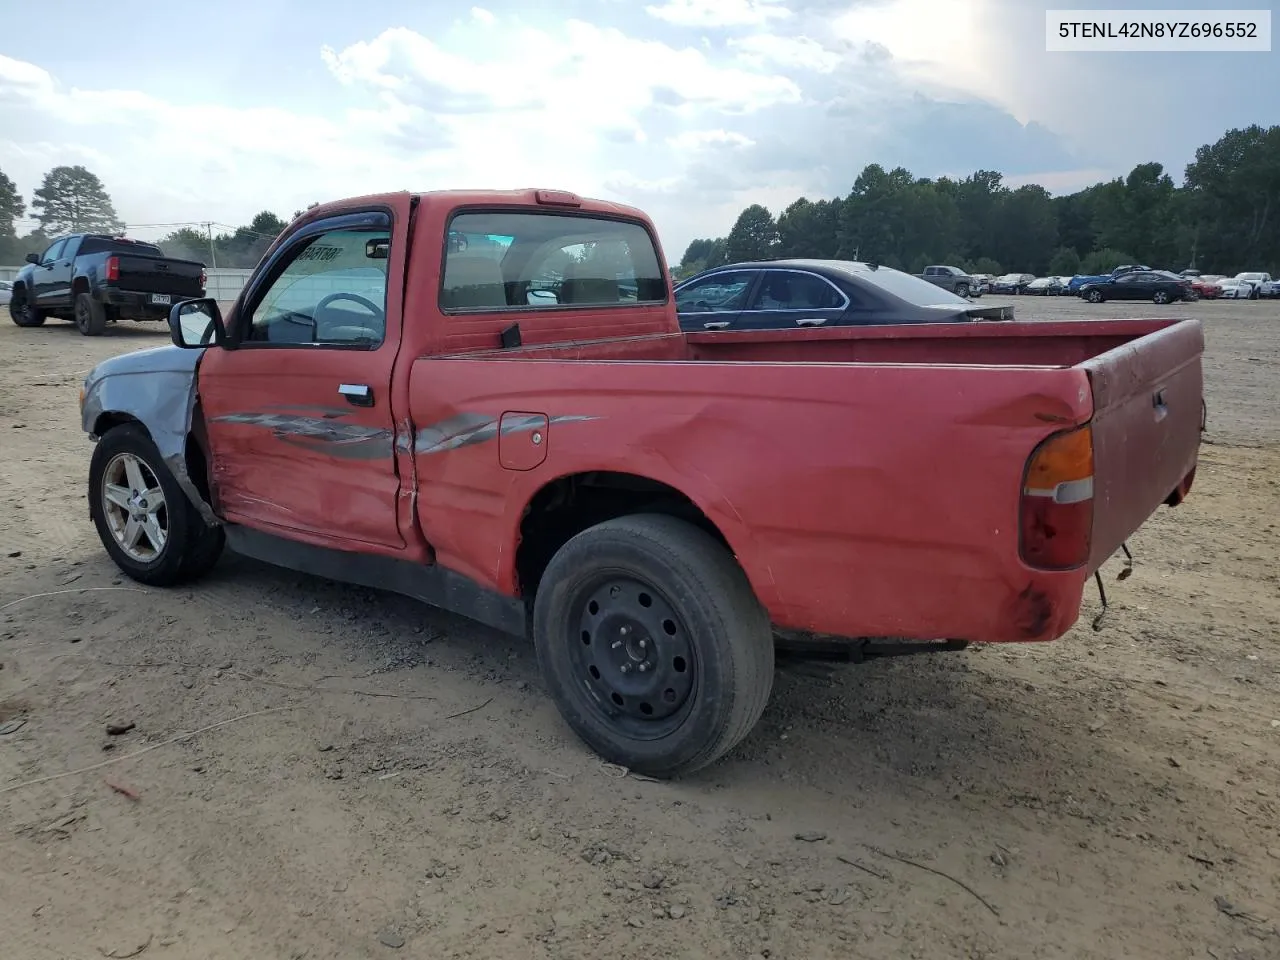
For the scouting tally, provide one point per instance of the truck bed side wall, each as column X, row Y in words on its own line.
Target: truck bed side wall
column 878, row 500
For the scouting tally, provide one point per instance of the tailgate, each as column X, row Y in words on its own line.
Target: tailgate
column 180, row 278
column 1148, row 413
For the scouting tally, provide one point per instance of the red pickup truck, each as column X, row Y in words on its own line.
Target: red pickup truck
column 484, row 400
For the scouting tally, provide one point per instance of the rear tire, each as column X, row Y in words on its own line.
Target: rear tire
column 23, row 313
column 91, row 316
column 1160, row 297
column 653, row 644
column 126, row 461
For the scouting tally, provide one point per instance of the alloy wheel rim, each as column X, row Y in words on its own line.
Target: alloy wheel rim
column 133, row 503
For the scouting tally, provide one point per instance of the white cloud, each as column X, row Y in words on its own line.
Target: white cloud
column 795, row 53
column 703, row 139
column 720, row 13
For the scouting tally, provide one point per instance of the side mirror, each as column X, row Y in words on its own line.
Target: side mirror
column 541, row 298
column 33, row 258
column 196, row 323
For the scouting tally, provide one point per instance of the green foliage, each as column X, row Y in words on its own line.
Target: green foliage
column 73, row 200
column 1225, row 218
column 1065, row 263
column 1104, row 261
column 754, row 236
column 242, row 248
column 11, row 206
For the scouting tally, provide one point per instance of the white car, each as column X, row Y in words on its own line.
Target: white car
column 1256, row 282
column 6, row 292
column 1234, row 288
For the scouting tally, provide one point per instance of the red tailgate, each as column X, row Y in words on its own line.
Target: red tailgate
column 1148, row 411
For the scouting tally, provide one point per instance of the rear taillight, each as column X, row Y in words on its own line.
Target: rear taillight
column 113, row 268
column 204, row 278
column 1056, row 512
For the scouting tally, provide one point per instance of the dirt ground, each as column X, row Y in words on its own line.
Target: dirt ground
column 400, row 785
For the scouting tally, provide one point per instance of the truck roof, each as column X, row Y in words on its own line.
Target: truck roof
column 543, row 197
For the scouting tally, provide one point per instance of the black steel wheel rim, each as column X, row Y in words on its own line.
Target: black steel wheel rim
column 82, row 314
column 633, row 656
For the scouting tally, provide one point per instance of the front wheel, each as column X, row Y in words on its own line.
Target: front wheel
column 1094, row 296
column 144, row 519
column 1160, row 297
column 962, row 290
column 653, row 644
column 22, row 312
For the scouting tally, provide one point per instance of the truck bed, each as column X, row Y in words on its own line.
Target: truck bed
column 922, row 433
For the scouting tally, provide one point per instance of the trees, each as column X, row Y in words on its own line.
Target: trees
column 1224, row 218
column 73, row 200
column 754, row 236
column 12, row 207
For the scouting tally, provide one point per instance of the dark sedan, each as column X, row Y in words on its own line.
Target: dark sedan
column 1158, row 286
column 778, row 294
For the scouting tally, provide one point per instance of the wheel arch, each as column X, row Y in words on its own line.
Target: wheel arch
column 568, row 504
column 80, row 285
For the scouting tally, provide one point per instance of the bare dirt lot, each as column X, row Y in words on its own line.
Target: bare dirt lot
column 405, row 789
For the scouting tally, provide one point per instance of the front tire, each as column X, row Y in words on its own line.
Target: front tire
column 653, row 644
column 962, row 290
column 144, row 519
column 1094, row 296
column 91, row 316
column 22, row 312
column 1160, row 297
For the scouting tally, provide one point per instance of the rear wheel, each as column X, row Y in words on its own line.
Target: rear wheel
column 144, row 519
column 22, row 312
column 653, row 644
column 91, row 316
column 1160, row 297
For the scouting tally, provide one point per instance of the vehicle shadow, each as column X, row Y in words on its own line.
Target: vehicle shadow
column 126, row 329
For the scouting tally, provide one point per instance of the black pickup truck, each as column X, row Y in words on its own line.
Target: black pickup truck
column 93, row 279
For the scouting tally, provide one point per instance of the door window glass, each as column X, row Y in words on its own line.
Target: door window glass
column 333, row 291
column 792, row 290
column 720, row 292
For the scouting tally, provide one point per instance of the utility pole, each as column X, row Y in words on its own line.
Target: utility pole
column 213, row 255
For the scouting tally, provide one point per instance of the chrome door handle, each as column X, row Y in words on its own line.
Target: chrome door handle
column 358, row 394
column 811, row 322
column 715, row 325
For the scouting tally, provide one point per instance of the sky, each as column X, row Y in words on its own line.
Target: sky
column 689, row 109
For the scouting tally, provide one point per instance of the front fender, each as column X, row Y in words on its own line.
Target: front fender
column 156, row 388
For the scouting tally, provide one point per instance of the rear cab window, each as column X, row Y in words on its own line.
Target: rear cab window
column 526, row 260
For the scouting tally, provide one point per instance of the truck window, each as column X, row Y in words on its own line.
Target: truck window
column 119, row 247
column 501, row 260
column 53, row 252
column 332, row 290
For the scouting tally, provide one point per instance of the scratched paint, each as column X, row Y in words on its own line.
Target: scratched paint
column 354, row 441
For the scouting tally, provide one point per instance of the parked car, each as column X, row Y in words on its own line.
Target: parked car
column 1044, row 287
column 6, row 291
column 1270, row 290
column 777, row 294
column 1256, row 282
column 1158, row 286
column 95, row 279
column 950, row 278
column 1080, row 280
column 1235, row 289
column 983, row 284
column 1206, row 287
column 1012, row 283
column 701, row 490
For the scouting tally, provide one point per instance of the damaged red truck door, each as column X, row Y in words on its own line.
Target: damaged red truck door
column 484, row 400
